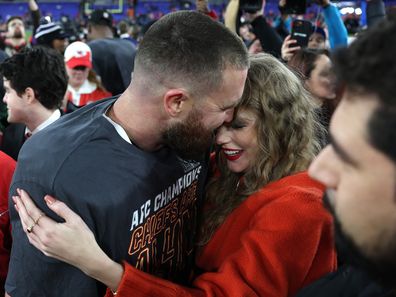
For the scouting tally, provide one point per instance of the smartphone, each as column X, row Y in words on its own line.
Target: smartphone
column 301, row 30
column 250, row 6
column 295, row 6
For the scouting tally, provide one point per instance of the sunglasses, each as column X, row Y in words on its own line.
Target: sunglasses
column 81, row 68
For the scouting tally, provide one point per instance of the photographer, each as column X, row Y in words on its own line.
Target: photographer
column 337, row 33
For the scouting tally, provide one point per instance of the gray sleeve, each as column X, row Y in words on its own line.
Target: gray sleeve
column 31, row 273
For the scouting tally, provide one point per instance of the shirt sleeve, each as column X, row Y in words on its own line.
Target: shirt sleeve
column 338, row 35
column 33, row 274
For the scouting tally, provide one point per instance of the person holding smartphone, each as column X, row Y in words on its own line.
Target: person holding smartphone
column 337, row 33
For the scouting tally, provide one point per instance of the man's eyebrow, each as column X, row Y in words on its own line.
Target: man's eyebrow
column 341, row 152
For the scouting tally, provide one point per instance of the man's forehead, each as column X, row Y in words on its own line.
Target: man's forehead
column 16, row 21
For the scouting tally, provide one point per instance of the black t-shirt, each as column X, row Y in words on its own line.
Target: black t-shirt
column 141, row 206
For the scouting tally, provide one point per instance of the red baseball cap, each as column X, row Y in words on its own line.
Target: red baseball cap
column 78, row 54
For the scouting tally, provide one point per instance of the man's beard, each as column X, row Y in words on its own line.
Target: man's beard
column 18, row 34
column 382, row 268
column 190, row 139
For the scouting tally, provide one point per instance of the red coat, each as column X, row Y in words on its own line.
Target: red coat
column 277, row 241
column 96, row 95
column 7, row 167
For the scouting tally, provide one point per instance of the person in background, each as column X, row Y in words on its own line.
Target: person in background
column 269, row 39
column 113, row 58
column 337, row 32
column 7, row 167
column 83, row 86
column 14, row 39
column 35, row 83
column 375, row 12
column 264, row 231
column 51, row 35
column 124, row 30
column 315, row 69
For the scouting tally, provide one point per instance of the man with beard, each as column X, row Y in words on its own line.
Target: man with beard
column 14, row 39
column 359, row 168
column 145, row 153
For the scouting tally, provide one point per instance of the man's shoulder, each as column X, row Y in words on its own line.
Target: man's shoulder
column 60, row 138
column 111, row 43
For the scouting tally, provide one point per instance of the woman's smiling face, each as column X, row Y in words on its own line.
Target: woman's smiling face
column 238, row 141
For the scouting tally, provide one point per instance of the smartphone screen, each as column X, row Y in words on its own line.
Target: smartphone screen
column 301, row 30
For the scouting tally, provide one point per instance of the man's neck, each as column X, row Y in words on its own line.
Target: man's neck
column 137, row 123
column 37, row 118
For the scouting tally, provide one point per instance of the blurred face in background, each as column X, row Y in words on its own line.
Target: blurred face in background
column 77, row 76
column 316, row 40
column 60, row 45
column 16, row 29
column 321, row 82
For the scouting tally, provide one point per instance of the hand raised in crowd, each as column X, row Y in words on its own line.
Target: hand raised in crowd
column 72, row 241
column 289, row 48
column 202, row 6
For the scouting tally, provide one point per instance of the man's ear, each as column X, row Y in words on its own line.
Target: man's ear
column 176, row 101
column 29, row 95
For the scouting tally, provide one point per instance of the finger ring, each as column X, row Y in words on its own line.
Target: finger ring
column 30, row 228
column 36, row 221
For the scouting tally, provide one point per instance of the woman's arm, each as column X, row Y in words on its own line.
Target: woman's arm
column 231, row 14
column 72, row 242
column 276, row 256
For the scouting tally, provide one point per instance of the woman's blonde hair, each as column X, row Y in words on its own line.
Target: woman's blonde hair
column 286, row 128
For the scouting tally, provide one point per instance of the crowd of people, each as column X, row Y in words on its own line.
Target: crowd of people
column 205, row 159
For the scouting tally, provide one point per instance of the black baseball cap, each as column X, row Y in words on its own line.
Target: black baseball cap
column 101, row 17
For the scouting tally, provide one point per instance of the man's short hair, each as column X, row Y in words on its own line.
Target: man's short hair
column 368, row 66
column 41, row 69
column 190, row 49
column 101, row 17
column 15, row 17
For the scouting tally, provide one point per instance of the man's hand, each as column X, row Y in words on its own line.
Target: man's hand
column 288, row 50
column 202, row 6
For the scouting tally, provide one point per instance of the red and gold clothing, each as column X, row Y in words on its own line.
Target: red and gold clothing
column 277, row 241
column 7, row 167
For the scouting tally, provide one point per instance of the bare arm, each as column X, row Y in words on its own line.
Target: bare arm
column 231, row 13
column 72, row 241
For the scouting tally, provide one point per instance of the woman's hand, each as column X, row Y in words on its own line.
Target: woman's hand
column 72, row 241
column 288, row 50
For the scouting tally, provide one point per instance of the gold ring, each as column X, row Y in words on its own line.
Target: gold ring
column 30, row 228
column 37, row 220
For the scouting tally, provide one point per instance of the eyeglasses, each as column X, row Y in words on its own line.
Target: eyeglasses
column 81, row 68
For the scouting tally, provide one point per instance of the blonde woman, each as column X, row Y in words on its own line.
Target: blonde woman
column 264, row 231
